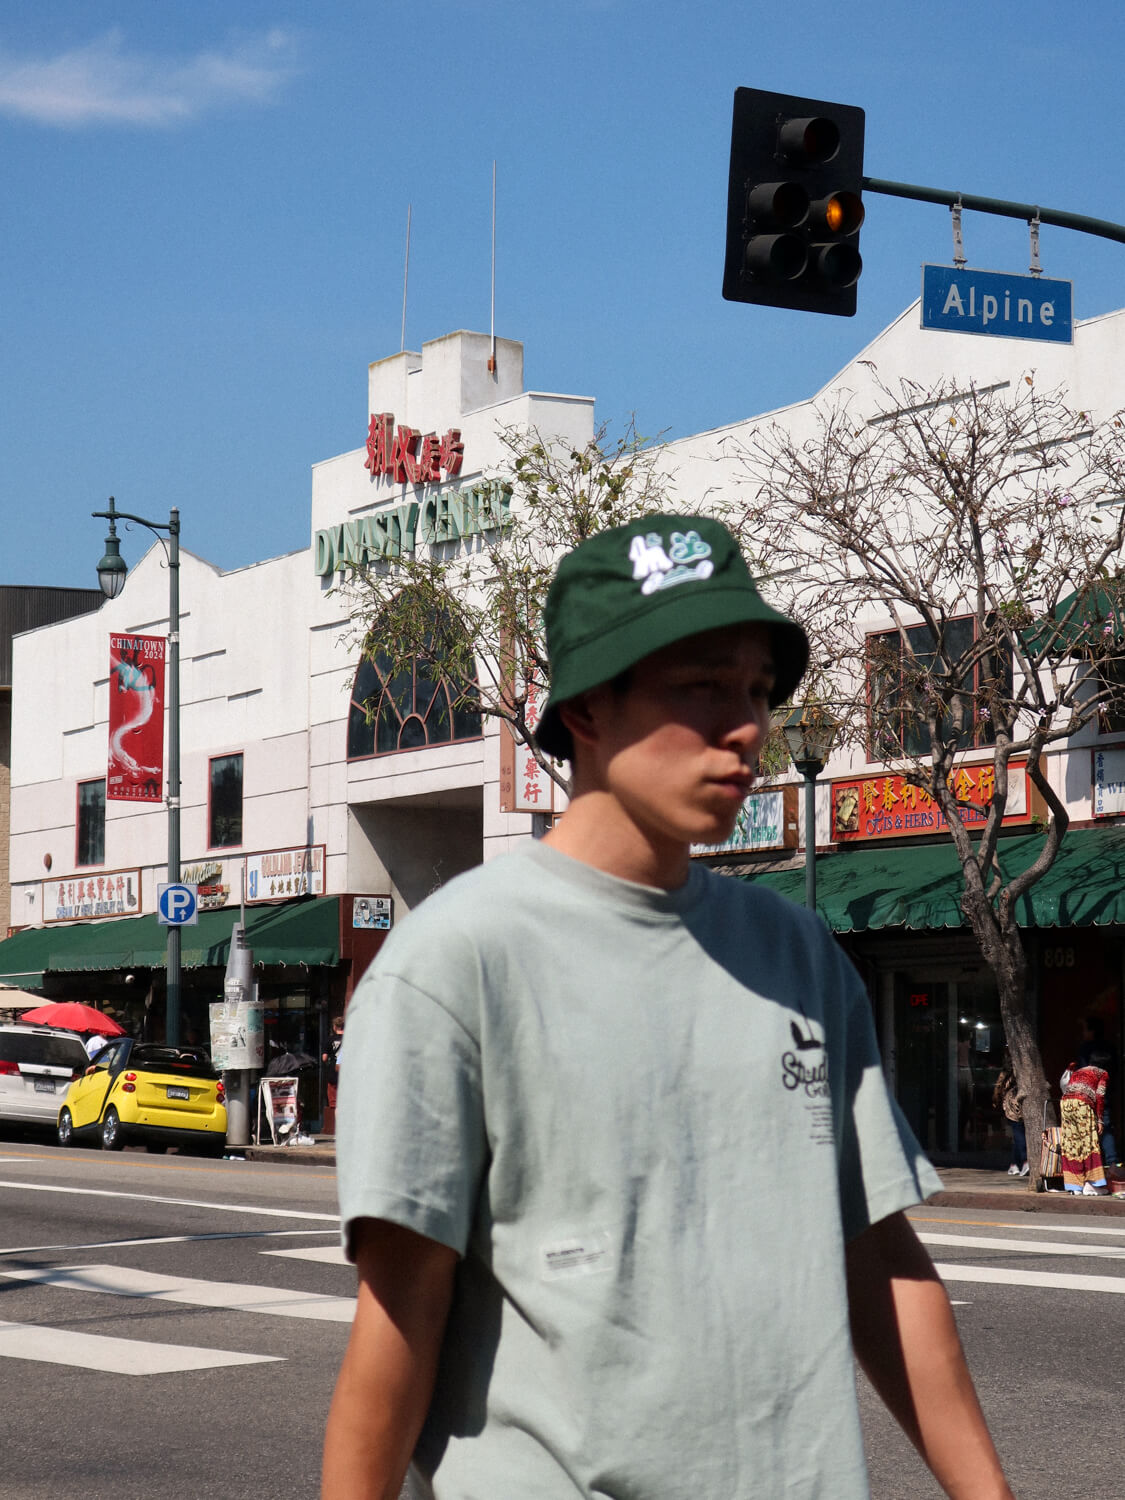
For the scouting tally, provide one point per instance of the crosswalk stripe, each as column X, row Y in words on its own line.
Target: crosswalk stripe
column 94, row 1351
column 124, row 1281
column 1054, row 1280
column 1024, row 1247
column 329, row 1255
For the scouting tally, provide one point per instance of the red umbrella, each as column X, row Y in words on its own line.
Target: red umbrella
column 74, row 1016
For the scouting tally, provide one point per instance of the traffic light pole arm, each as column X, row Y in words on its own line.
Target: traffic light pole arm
column 1026, row 211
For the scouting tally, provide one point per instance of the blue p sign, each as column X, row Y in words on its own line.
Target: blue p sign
column 177, row 905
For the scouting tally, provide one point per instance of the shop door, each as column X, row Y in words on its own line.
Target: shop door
column 922, row 1058
column 980, row 1054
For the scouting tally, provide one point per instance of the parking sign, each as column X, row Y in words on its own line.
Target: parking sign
column 177, row 905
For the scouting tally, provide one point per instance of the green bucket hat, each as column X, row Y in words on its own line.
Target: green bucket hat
column 632, row 590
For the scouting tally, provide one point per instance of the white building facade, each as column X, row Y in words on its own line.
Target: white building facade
column 294, row 802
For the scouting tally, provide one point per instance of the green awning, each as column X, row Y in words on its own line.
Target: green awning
column 296, row 932
column 867, row 890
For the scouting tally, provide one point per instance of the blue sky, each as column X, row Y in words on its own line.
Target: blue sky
column 204, row 219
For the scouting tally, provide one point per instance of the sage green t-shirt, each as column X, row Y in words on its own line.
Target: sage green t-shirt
column 648, row 1122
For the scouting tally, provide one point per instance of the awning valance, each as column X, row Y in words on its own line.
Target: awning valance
column 295, row 932
column 919, row 888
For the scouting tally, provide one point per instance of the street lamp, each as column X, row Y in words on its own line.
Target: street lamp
column 112, row 571
column 809, row 731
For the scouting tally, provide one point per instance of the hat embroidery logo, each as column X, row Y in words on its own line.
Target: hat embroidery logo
column 659, row 569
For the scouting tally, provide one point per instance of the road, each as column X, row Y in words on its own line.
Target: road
column 1038, row 1300
column 173, row 1327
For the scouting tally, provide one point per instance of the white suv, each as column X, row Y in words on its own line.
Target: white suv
column 37, row 1064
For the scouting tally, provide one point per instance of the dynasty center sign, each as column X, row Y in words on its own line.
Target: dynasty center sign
column 394, row 530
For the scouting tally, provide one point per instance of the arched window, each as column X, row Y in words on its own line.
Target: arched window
column 408, row 711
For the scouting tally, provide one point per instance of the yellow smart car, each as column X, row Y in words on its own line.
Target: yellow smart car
column 156, row 1096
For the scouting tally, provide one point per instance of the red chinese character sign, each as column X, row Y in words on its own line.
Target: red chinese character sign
column 889, row 807
column 524, row 785
column 411, row 457
column 135, row 770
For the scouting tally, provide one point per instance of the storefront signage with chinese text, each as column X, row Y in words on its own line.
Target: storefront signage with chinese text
column 1109, row 782
column 888, row 807
column 408, row 456
column 524, row 784
column 282, row 874
column 212, row 882
column 88, row 898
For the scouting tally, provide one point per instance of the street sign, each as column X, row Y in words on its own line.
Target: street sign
column 177, row 905
column 997, row 304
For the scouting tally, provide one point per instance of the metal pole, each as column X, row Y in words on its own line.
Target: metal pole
column 1062, row 219
column 172, row 1011
column 810, row 841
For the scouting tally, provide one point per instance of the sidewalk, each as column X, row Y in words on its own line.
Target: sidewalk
column 321, row 1153
column 962, row 1187
column 970, row 1187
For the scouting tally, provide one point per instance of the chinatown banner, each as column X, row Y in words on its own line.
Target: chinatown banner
column 889, row 807
column 135, row 772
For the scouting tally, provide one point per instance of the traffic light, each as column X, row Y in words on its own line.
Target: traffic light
column 794, row 206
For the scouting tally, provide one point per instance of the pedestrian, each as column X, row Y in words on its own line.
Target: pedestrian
column 616, row 1157
column 1102, row 1057
column 94, row 1044
column 332, row 1059
column 1007, row 1098
column 1081, row 1110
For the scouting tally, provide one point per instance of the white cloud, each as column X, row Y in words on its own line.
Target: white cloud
column 102, row 83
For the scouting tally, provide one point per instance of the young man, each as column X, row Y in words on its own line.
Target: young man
column 617, row 1161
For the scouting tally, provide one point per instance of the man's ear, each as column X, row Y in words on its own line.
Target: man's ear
column 577, row 717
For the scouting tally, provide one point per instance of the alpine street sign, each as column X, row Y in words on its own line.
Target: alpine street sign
column 997, row 303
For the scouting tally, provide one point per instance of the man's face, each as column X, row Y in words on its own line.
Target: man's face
column 678, row 749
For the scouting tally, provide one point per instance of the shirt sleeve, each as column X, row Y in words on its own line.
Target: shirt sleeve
column 882, row 1168
column 410, row 1135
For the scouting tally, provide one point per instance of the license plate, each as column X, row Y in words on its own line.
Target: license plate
column 175, row 1091
column 44, row 1085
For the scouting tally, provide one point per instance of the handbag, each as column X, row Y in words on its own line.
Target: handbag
column 1050, row 1160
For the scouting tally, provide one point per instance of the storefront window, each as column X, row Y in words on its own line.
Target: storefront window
column 91, row 823
column 406, row 710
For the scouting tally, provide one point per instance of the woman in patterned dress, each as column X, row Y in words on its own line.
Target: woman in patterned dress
column 1083, row 1103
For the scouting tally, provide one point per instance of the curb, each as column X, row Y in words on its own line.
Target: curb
column 1027, row 1203
column 298, row 1156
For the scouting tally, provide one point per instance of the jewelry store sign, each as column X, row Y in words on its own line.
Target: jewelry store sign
column 281, row 874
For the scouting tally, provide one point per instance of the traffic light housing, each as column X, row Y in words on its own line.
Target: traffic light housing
column 795, row 205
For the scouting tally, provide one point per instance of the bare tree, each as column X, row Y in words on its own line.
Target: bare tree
column 986, row 528
column 473, row 614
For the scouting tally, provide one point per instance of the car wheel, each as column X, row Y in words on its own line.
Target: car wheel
column 66, row 1128
column 111, row 1131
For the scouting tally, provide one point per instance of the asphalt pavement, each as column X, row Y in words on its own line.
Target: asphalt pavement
column 964, row 1187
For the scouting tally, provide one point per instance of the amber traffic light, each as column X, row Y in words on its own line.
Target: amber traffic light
column 795, row 204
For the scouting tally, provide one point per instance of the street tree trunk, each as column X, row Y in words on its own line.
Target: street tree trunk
column 1003, row 950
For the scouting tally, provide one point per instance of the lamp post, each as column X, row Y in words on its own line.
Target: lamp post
column 809, row 731
column 112, row 571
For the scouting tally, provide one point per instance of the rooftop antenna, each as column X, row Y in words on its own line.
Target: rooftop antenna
column 492, row 312
column 405, row 280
